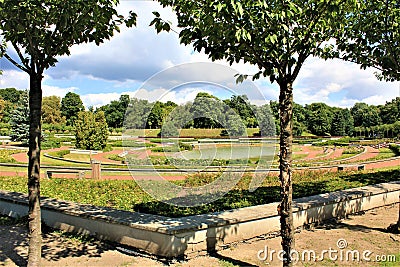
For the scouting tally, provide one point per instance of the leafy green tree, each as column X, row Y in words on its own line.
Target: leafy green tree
column 390, row 112
column 91, row 130
column 20, row 120
column 371, row 38
column 51, row 110
column 338, row 127
column 319, row 118
column 266, row 121
column 39, row 32
column 277, row 37
column 375, row 37
column 156, row 116
column 137, row 114
column 207, row 111
column 11, row 94
column 349, row 122
column 242, row 106
column 3, row 105
column 365, row 115
column 71, row 105
column 169, row 129
column 234, row 125
column 115, row 111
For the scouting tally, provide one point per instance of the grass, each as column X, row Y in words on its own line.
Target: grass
column 128, row 195
column 78, row 157
column 6, row 155
column 391, row 263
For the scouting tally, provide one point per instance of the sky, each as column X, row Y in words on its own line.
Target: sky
column 144, row 64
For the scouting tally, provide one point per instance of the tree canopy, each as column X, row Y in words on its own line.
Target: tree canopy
column 39, row 31
column 275, row 36
column 371, row 38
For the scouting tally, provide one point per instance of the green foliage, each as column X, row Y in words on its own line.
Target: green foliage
column 71, row 105
column 395, row 149
column 169, row 130
column 46, row 29
column 372, row 36
column 127, row 195
column 365, row 115
column 115, row 111
column 59, row 153
column 338, row 125
column 11, row 94
column 20, row 120
column 51, row 110
column 116, row 157
column 91, row 130
column 266, row 121
column 5, row 155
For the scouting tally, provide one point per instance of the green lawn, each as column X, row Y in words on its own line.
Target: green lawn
column 127, row 195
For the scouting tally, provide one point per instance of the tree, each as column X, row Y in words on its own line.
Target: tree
column 207, row 111
column 266, row 121
column 39, row 31
column 91, row 130
column 11, row 94
column 319, row 118
column 365, row 115
column 390, row 112
column 20, row 120
column 71, row 105
column 372, row 37
column 169, row 129
column 51, row 110
column 338, row 127
column 3, row 105
column 349, row 122
column 115, row 111
column 277, row 37
column 242, row 106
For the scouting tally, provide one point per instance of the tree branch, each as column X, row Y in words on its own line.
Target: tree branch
column 21, row 67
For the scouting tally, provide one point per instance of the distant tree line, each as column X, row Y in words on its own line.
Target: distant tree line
column 205, row 112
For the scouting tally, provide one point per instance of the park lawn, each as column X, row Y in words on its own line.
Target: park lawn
column 127, row 195
column 78, row 157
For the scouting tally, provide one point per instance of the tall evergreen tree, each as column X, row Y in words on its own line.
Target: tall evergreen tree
column 338, row 127
column 20, row 120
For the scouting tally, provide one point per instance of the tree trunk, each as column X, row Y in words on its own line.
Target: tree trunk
column 285, row 174
column 34, row 217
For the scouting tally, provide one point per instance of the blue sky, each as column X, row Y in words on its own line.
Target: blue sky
column 126, row 63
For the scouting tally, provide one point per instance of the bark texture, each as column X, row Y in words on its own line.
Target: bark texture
column 34, row 216
column 285, row 175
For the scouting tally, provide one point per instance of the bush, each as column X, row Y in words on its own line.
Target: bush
column 5, row 155
column 50, row 143
column 59, row 154
column 395, row 149
column 116, row 158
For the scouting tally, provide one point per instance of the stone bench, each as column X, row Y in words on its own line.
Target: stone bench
column 79, row 173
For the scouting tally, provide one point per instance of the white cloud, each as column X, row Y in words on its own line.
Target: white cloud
column 57, row 91
column 98, row 100
column 163, row 95
column 15, row 79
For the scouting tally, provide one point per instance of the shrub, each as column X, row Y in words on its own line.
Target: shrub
column 395, row 149
column 59, row 154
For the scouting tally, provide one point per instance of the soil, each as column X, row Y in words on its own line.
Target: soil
column 361, row 232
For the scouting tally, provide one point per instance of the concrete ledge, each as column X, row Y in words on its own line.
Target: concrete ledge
column 172, row 237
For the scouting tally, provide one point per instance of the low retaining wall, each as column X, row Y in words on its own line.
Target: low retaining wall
column 173, row 237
